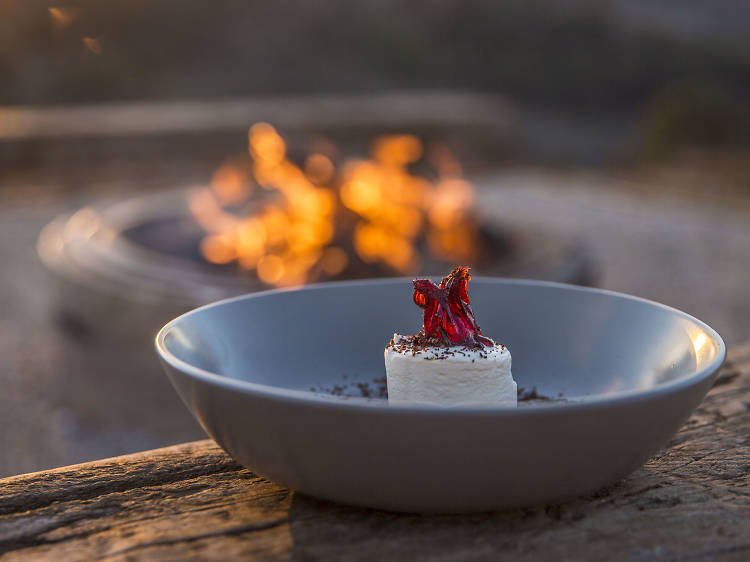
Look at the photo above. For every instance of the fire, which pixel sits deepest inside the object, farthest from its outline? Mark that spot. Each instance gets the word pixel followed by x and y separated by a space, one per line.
pixel 92 45
pixel 62 17
pixel 315 220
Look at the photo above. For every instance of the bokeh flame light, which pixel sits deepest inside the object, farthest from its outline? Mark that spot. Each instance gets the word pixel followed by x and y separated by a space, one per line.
pixel 62 17
pixel 318 219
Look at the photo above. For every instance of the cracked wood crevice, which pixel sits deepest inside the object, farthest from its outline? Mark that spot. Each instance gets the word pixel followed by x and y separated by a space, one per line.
pixel 192 501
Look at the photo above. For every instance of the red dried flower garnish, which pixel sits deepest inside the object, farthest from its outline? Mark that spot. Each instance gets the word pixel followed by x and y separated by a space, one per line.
pixel 447 312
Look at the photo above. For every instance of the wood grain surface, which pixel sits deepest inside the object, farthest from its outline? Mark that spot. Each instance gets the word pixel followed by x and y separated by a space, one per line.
pixel 191 501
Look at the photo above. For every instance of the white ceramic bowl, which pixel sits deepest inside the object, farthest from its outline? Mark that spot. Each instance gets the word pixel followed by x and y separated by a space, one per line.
pixel 631 372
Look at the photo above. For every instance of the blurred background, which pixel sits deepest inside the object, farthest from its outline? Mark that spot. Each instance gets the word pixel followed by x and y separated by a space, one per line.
pixel 156 155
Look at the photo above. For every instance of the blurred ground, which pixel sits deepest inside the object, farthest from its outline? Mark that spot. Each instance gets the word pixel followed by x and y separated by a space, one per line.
pixel 664 233
pixel 46 385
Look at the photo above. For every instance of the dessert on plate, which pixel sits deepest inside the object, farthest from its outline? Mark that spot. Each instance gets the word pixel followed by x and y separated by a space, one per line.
pixel 449 362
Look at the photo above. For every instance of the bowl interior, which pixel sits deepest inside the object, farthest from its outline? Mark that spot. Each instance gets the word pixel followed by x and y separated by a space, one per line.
pixel 565 340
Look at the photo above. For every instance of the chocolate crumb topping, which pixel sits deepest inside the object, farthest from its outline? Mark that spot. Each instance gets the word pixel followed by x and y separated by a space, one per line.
pixel 437 348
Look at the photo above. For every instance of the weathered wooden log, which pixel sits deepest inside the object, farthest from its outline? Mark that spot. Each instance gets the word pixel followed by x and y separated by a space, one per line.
pixel 692 501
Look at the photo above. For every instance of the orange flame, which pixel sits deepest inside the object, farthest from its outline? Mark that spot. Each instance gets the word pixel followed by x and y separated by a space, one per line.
pixel 290 237
pixel 62 17
pixel 92 45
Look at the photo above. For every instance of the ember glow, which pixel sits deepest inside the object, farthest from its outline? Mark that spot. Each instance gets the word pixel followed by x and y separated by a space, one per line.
pixel 92 44
pixel 62 17
pixel 293 224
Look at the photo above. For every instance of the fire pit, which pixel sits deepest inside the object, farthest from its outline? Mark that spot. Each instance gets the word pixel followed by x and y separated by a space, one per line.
pixel 146 251
pixel 355 219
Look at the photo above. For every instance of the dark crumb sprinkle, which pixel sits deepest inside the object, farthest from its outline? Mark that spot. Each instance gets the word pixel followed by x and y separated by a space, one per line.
pixel 419 342
pixel 529 395
pixel 377 388
pixel 364 388
pixel 381 386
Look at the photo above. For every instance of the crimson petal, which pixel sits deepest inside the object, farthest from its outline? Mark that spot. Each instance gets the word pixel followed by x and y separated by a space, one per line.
pixel 447 312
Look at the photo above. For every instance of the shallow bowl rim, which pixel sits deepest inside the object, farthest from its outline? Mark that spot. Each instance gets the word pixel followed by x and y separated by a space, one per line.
pixel 309 398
